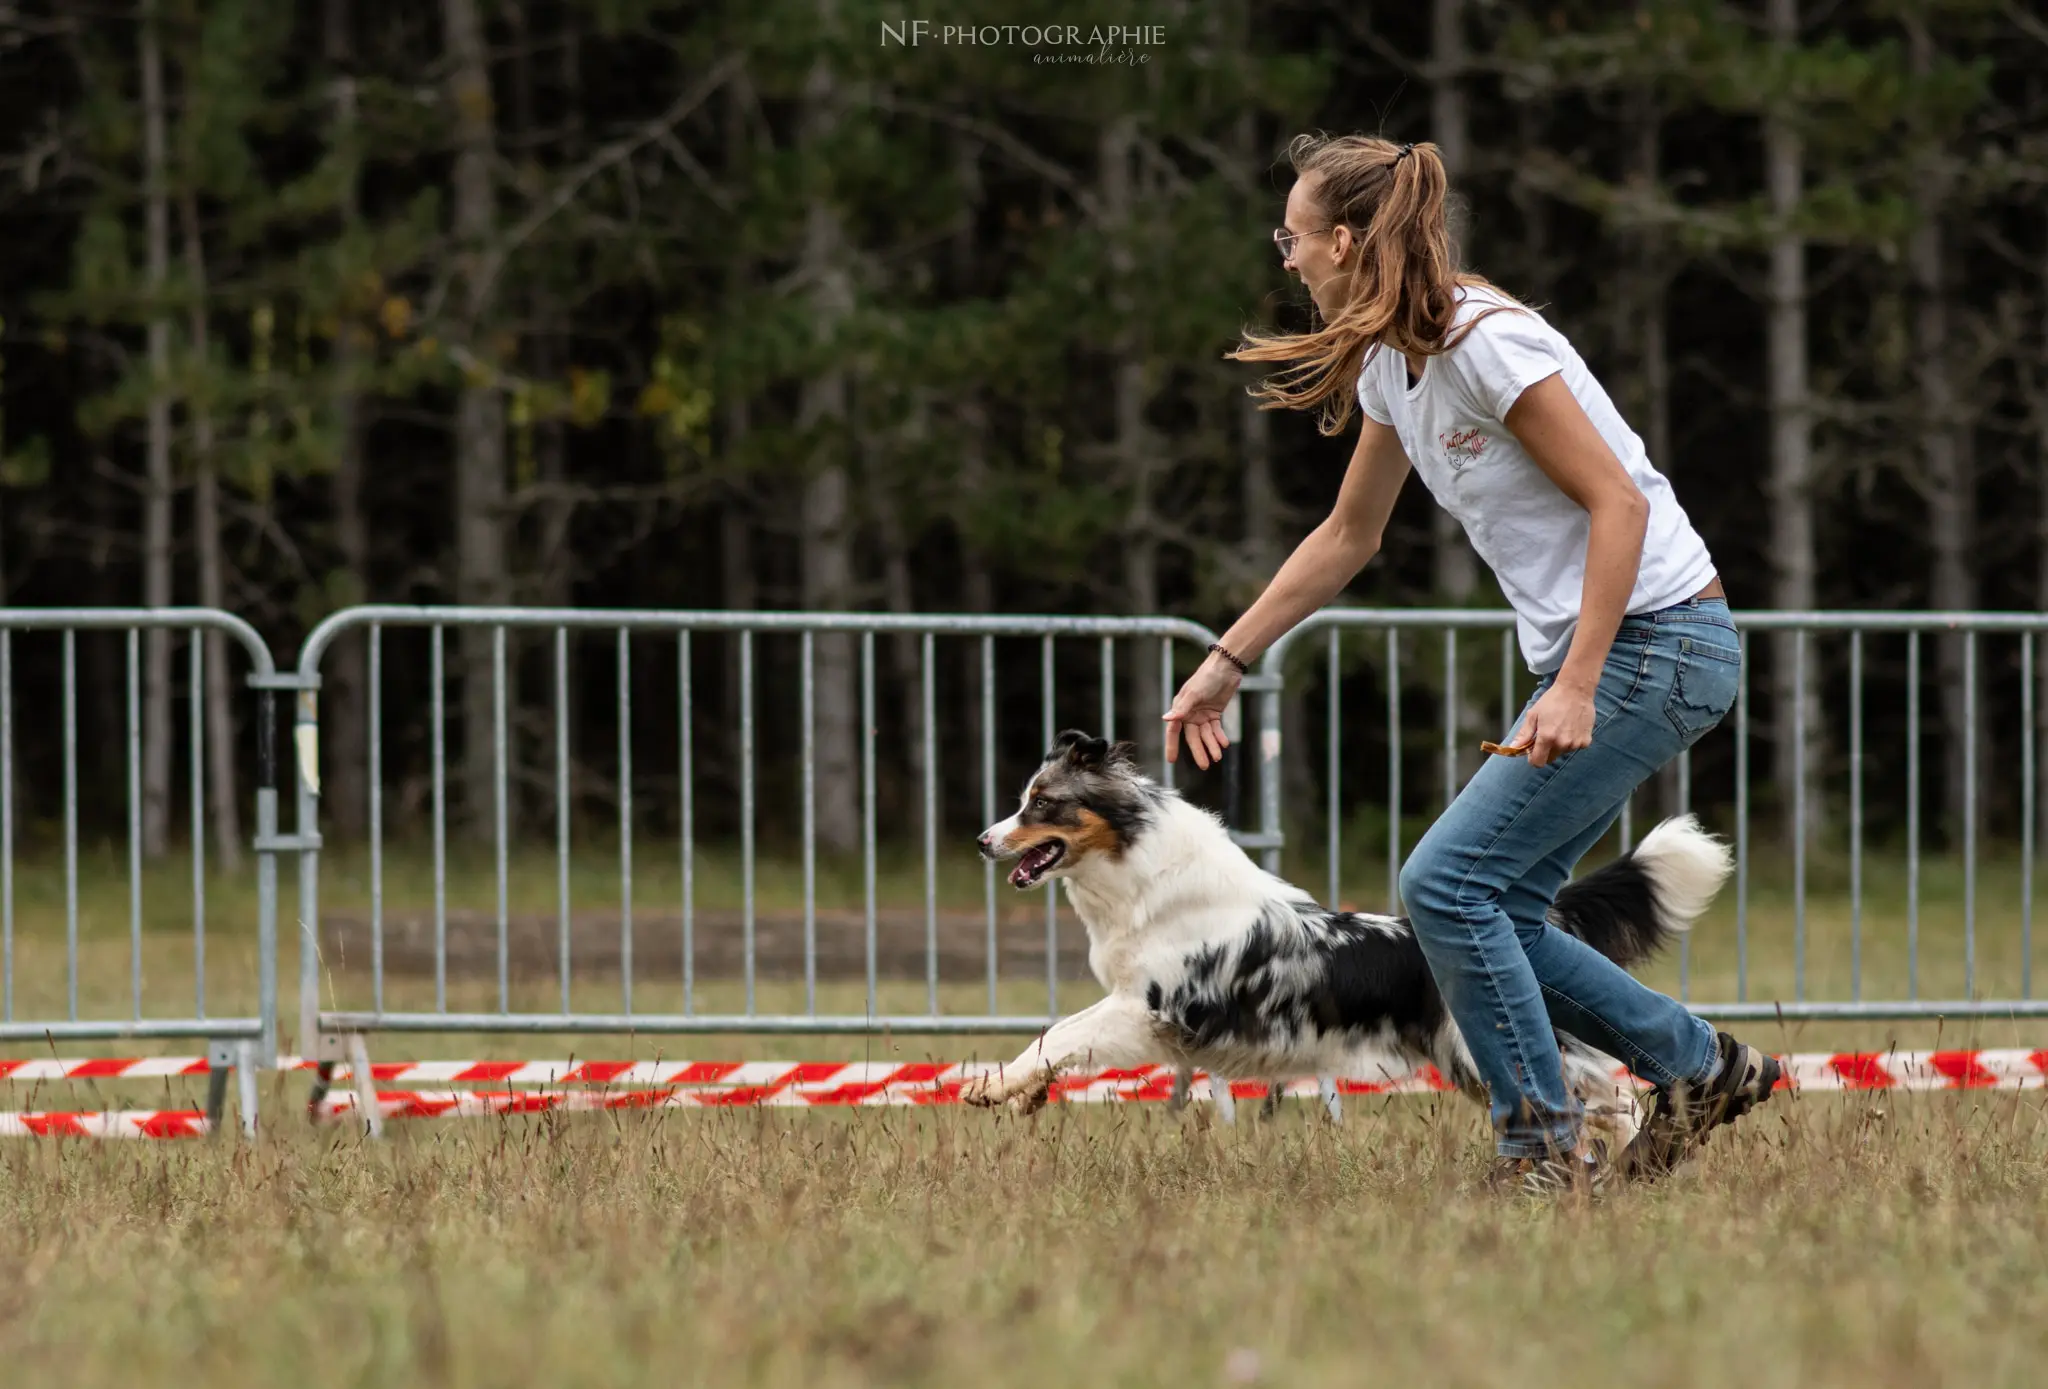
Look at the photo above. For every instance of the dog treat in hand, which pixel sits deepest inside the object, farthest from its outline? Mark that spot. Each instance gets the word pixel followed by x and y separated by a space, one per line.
pixel 1520 749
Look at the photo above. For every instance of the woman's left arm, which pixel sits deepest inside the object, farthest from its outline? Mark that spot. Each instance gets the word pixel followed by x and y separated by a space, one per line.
pixel 1556 433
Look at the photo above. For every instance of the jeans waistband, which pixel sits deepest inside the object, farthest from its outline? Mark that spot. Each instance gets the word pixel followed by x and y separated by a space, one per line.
pixel 1712 612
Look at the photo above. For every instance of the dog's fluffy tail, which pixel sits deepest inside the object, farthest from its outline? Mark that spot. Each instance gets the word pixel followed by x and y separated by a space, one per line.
pixel 1630 908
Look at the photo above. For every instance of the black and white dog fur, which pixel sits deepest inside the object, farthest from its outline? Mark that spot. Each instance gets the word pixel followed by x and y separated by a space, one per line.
pixel 1208 961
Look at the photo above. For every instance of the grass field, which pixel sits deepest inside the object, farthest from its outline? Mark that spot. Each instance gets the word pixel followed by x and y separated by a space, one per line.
pixel 1853 1240
pixel 1829 1241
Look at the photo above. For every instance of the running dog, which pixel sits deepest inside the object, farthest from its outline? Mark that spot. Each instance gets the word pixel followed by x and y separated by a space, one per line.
pixel 1209 961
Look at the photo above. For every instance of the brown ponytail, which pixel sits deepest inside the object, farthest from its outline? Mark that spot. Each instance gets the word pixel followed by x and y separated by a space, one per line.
pixel 1403 292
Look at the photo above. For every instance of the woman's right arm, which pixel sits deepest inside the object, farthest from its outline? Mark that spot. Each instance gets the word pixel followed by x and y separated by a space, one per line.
pixel 1315 573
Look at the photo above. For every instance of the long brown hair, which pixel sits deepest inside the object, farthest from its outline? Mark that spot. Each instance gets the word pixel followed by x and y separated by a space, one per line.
pixel 1403 289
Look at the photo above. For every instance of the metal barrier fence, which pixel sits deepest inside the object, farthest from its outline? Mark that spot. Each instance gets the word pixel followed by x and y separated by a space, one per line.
pixel 832 657
pixel 1899 642
pixel 241 1040
pixel 1920 936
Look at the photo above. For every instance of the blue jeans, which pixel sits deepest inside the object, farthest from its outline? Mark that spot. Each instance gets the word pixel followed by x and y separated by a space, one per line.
pixel 1480 882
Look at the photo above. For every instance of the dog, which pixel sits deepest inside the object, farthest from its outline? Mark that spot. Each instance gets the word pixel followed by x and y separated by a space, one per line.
pixel 1208 961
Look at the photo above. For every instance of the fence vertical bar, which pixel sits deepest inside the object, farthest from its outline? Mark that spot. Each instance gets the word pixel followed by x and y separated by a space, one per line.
pixel 1799 816
pixel 1052 905
pixel 266 877
pixel 807 682
pixel 563 944
pixel 305 716
pixel 1913 814
pixel 988 799
pixel 1108 689
pixel 1685 937
pixel 2027 792
pixel 747 808
pixel 1165 703
pixel 376 789
pixel 500 818
pixel 196 703
pixel 686 736
pixel 71 818
pixel 1856 815
pixel 625 697
pixel 929 682
pixel 1334 809
pixel 867 803
pixel 1742 822
pixel 1393 771
pixel 1450 715
pixel 438 713
pixel 1507 682
pixel 134 744
pixel 1969 815
pixel 6 826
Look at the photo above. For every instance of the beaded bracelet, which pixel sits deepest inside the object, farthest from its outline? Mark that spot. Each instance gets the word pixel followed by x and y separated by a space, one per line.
pixel 1221 650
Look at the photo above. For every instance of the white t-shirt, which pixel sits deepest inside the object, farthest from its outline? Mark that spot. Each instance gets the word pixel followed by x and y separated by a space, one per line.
pixel 1531 535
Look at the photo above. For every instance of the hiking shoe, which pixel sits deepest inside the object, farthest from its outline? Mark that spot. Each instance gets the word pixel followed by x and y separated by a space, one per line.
pixel 1567 1175
pixel 1686 1113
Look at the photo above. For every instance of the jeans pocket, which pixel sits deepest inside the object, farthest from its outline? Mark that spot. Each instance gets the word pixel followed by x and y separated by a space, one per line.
pixel 1703 685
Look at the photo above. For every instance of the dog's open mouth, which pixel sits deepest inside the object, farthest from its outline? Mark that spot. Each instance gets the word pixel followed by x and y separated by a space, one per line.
pixel 1037 861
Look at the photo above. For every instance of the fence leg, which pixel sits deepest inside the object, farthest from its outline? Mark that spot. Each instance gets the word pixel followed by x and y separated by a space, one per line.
pixel 245 1085
pixel 1332 1101
pixel 365 1083
pixel 221 1057
pixel 334 1049
pixel 1183 1081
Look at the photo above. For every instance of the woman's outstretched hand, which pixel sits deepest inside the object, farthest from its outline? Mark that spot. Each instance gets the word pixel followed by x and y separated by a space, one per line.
pixel 1198 712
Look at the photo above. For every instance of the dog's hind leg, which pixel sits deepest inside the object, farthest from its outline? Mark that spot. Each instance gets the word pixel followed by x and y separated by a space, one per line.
pixel 1117 1031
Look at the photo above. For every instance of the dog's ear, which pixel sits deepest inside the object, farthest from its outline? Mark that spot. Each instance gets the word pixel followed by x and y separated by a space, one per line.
pixel 1122 754
pixel 1066 745
pixel 1079 748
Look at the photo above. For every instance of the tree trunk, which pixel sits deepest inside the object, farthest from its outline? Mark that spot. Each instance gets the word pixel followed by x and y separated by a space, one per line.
pixel 1950 488
pixel 344 707
pixel 1790 485
pixel 554 562
pixel 482 574
pixel 156 496
pixel 1133 446
pixel 1456 567
pixel 1640 330
pixel 222 795
pixel 899 592
pixel 2041 570
pixel 906 653
pixel 826 513
pixel 977 586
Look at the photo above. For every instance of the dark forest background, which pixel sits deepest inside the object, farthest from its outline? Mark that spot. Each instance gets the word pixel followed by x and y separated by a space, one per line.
pixel 748 306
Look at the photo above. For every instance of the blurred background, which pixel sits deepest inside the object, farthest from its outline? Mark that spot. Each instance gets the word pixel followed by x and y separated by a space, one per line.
pixel 798 305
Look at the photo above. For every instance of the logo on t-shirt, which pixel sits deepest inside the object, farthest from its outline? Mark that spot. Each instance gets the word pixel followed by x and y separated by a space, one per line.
pixel 1461 446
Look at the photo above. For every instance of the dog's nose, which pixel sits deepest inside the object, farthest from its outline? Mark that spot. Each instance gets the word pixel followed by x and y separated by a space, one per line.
pixel 983 842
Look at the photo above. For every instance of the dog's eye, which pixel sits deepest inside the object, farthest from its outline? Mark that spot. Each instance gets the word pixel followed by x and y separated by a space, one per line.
pixel 1040 803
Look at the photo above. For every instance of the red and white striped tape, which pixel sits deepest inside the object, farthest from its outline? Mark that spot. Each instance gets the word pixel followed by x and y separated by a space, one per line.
pixel 113 1123
pixel 816 1084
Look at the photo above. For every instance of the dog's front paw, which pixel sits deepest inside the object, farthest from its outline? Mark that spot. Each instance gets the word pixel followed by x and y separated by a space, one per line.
pixel 983 1092
pixel 1032 1098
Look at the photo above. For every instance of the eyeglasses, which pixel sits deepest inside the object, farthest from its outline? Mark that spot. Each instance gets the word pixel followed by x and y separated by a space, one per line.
pixel 1284 240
